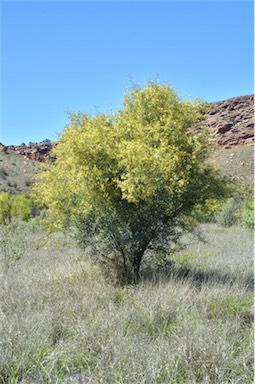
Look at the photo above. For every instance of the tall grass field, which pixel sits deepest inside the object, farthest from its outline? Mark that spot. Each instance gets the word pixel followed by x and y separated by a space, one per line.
pixel 64 320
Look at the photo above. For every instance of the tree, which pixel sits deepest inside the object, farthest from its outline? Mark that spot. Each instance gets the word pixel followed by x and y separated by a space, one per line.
pixel 132 179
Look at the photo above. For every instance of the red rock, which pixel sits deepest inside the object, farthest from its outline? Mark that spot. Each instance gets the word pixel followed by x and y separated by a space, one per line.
pixel 37 152
pixel 231 122
pixel 224 128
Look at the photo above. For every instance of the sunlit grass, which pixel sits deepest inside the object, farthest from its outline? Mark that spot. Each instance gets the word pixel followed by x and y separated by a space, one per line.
pixel 63 322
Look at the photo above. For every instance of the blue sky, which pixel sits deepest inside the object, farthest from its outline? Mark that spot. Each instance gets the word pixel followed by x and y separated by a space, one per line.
pixel 79 56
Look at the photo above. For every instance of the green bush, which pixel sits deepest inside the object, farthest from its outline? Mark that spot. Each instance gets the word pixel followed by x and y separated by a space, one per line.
pixel 5 208
pixel 20 207
pixel 247 214
pixel 238 209
pixel 227 214
pixel 14 206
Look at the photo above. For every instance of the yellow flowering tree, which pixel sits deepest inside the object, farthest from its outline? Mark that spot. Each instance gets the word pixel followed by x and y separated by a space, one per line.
pixel 130 179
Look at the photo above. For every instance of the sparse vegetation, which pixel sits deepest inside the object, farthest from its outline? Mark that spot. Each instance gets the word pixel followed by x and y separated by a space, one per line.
pixel 63 322
pixel 236 163
pixel 17 173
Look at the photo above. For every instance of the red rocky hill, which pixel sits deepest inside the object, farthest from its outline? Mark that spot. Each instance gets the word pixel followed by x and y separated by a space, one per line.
pixel 231 123
pixel 37 152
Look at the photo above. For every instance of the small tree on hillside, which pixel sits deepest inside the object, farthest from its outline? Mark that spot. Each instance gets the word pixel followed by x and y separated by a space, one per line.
pixel 132 179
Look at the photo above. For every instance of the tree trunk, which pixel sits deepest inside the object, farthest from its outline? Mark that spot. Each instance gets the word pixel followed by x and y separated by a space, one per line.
pixel 137 258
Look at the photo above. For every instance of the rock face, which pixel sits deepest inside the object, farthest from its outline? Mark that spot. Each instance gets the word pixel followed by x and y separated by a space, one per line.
pixel 231 121
pixel 37 152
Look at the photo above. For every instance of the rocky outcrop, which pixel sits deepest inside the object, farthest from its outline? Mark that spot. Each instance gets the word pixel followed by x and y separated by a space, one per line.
pixel 231 122
pixel 36 152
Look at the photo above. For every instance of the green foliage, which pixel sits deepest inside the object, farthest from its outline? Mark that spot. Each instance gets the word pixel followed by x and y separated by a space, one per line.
pixel 14 206
pixel 247 214
pixel 238 209
pixel 21 207
pixel 206 212
pixel 186 259
pixel 227 214
pixel 5 208
pixel 132 178
pixel 231 305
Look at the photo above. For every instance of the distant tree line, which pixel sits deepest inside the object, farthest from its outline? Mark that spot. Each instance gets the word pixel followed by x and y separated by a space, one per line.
pixel 46 141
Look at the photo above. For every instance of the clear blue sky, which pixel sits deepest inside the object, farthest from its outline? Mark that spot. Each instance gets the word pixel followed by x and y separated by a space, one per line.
pixel 68 56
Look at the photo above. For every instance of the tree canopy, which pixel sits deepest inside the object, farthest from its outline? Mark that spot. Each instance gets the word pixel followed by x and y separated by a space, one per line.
pixel 132 178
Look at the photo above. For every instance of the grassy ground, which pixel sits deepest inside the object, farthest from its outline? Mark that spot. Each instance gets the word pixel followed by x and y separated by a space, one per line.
pixel 62 322
pixel 236 163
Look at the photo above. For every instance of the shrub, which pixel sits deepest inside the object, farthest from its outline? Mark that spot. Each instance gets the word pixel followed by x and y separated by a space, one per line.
pixel 227 214
pixel 238 209
pixel 21 207
pixel 14 206
pixel 5 208
pixel 247 214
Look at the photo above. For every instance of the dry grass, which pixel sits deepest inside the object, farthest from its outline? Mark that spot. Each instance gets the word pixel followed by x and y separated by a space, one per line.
pixel 16 173
pixel 236 163
pixel 62 322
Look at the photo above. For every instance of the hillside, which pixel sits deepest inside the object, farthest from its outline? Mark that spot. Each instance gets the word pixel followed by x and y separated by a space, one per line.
pixel 231 127
pixel 231 121
pixel 16 173
pixel 19 164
